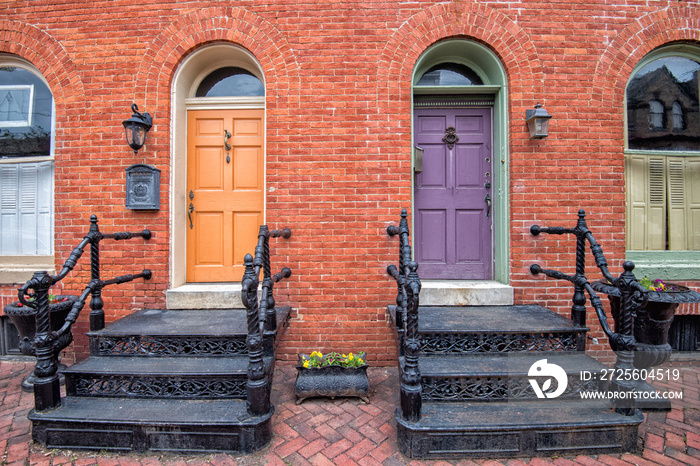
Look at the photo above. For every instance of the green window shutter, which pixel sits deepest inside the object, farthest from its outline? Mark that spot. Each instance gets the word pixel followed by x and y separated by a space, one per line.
pixel 691 188
pixel 676 207
pixel 646 206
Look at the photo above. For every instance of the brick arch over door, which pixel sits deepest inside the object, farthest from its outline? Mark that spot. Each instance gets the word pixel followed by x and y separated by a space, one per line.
pixel 456 20
pixel 675 24
pixel 522 86
pixel 166 57
pixel 212 25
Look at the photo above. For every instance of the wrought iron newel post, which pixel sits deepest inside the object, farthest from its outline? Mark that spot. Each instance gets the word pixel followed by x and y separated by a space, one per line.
pixel 258 396
pixel 622 341
pixel 261 317
pixel 407 302
pixel 46 387
pixel 411 391
pixel 49 344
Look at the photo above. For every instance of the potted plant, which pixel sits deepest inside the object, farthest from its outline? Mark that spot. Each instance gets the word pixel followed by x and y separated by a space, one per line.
pixel 332 375
pixel 653 319
pixel 24 319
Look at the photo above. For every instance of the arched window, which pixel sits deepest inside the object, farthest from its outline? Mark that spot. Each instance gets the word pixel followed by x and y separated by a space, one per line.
pixel 667 82
pixel 450 74
pixel 230 81
pixel 662 164
pixel 26 162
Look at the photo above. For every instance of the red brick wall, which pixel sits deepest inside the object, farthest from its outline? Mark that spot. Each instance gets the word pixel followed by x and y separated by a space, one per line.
pixel 339 133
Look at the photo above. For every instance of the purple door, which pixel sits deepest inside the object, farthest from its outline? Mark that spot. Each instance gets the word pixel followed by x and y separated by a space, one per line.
pixel 453 196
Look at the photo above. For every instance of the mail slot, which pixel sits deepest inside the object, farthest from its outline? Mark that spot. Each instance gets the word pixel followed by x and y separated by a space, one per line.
pixel 142 187
pixel 417 159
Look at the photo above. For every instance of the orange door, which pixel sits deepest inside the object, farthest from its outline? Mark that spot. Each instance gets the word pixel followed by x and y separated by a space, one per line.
pixel 225 187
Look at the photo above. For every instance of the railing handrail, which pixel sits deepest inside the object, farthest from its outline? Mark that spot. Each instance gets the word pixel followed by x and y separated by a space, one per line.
pixel 632 296
pixel 46 388
pixel 407 302
pixel 261 316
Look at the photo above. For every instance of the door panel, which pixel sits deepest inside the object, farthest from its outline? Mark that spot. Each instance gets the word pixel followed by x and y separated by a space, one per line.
pixel 453 219
pixel 226 195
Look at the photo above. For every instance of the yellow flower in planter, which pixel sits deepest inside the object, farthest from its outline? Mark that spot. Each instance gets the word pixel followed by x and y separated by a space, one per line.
pixel 317 359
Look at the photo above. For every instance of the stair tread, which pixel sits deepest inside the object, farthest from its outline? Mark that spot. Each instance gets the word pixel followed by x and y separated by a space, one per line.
pixel 148 411
pixel 501 319
pixel 229 365
pixel 205 322
pixel 497 416
pixel 452 365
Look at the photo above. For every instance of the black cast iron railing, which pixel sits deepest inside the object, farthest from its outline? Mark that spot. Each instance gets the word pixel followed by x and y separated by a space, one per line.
pixel 261 317
pixel 49 344
pixel 632 296
pixel 407 302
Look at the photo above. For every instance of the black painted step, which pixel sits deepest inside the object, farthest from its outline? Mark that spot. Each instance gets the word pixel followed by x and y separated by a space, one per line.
pixel 503 429
pixel 176 377
pixel 181 426
pixel 154 332
pixel 499 377
pixel 495 329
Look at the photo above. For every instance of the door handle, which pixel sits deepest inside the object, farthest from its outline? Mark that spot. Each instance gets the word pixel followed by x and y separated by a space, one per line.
pixel 191 209
pixel 488 205
pixel 227 136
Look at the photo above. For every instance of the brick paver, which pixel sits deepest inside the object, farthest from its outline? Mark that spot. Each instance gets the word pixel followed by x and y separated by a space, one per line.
pixel 346 431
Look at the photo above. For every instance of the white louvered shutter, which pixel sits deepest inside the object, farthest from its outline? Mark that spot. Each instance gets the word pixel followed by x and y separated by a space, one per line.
pixel 26 209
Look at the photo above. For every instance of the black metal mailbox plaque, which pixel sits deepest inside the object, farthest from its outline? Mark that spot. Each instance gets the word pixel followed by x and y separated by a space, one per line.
pixel 142 187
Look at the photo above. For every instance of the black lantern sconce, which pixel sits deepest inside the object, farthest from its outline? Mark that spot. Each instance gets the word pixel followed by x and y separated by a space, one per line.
pixel 537 122
pixel 136 128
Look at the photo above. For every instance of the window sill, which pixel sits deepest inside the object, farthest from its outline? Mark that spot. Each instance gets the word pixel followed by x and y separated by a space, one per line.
pixel 666 265
pixel 19 269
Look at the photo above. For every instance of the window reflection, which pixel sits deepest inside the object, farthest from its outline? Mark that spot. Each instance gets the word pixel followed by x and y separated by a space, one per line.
pixel 450 74
pixel 230 81
pixel 25 114
pixel 662 106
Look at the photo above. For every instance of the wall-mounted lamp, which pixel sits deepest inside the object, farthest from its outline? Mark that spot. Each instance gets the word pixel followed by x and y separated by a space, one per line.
pixel 537 122
pixel 136 128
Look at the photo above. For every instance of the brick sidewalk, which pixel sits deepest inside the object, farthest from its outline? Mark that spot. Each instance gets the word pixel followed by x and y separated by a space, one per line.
pixel 347 431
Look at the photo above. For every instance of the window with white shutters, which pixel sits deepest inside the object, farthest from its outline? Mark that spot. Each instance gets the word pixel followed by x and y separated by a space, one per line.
pixel 26 172
pixel 663 203
pixel 662 163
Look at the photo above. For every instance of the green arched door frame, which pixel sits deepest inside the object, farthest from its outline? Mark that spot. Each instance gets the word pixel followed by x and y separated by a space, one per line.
pixel 489 68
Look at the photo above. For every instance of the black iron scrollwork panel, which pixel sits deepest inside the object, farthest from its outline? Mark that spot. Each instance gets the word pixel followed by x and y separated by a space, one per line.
pixel 497 343
pixel 170 346
pixel 159 387
pixel 493 388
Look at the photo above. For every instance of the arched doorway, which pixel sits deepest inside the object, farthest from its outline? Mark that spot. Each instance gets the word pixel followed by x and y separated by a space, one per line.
pixel 460 189
pixel 218 179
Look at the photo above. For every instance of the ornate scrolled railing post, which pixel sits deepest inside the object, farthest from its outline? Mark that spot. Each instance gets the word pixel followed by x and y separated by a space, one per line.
pixel 631 297
pixel 406 319
pixel 286 272
pixel 97 313
pixel 48 344
pixel 411 390
pixel 399 274
pixel 258 397
pixel 47 393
